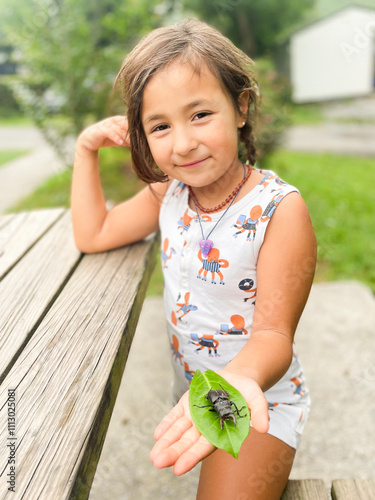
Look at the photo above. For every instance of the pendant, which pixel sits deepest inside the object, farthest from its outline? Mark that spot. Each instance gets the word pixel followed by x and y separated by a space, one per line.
pixel 205 246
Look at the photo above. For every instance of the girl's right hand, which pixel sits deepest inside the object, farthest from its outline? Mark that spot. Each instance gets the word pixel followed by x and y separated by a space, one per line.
pixel 181 445
pixel 107 133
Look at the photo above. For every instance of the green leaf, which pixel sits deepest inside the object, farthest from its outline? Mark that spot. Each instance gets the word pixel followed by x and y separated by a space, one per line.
pixel 231 437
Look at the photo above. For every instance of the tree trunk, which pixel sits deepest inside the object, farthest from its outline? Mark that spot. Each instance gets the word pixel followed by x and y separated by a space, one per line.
pixel 245 30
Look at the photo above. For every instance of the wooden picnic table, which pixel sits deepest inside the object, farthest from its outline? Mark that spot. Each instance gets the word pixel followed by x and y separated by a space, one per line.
pixel 66 325
pixel 340 489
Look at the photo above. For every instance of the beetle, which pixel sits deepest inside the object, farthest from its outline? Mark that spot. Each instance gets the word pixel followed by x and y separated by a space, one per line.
pixel 222 405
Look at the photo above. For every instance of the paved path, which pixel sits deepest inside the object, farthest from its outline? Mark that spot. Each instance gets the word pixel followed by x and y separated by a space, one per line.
pixel 362 108
pixel 23 137
pixel 22 176
pixel 338 138
pixel 336 345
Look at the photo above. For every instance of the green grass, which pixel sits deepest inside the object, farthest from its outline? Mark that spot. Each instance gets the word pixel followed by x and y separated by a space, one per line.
pixel 11 154
pixel 15 120
pixel 337 189
pixel 355 120
pixel 309 114
pixel 118 182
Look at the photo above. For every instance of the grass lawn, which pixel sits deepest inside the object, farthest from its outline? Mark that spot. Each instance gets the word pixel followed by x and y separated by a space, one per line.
pixel 10 154
pixel 306 114
pixel 15 120
pixel 337 189
pixel 339 193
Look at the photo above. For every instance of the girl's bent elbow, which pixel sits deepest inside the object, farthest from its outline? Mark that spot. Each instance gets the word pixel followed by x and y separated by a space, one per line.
pixel 84 247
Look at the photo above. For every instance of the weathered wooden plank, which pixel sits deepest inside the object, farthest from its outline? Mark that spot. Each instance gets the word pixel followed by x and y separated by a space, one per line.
pixel 356 489
pixel 28 290
pixel 68 375
pixel 19 232
pixel 5 219
pixel 305 489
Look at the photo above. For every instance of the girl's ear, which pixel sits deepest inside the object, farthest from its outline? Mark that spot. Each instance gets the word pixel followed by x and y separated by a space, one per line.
pixel 243 104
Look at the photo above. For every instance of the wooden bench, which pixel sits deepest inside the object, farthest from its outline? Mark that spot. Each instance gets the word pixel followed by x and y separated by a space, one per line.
pixel 66 325
pixel 341 489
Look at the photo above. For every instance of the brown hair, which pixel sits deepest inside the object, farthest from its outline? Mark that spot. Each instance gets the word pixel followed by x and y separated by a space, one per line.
pixel 192 42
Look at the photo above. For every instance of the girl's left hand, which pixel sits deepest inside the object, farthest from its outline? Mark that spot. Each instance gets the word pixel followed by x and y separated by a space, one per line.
pixel 179 443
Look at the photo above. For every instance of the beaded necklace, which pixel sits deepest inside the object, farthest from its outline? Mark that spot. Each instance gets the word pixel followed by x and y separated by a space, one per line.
pixel 226 201
pixel 205 244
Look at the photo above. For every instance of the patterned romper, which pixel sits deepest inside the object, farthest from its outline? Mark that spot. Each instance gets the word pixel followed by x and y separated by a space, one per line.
pixel 210 302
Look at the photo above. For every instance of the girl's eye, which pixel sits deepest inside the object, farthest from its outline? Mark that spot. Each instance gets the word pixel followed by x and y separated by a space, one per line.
pixel 159 128
pixel 201 115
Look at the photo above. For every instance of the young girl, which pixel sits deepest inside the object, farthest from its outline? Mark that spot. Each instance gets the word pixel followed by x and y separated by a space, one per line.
pixel 238 248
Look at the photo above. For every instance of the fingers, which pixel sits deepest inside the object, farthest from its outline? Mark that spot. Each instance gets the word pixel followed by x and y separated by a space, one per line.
pixel 193 455
pixel 179 443
pixel 114 129
pixel 259 413
pixel 172 435
pixel 254 396
pixel 184 454
pixel 110 132
pixel 123 129
pixel 168 450
pixel 176 413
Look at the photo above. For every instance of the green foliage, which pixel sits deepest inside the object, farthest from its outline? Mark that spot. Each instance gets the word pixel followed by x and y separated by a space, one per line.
pixel 156 284
pixel 8 105
pixel 309 113
pixel 274 117
pixel 231 437
pixel 337 190
pixel 70 52
pixel 324 7
pixel 252 26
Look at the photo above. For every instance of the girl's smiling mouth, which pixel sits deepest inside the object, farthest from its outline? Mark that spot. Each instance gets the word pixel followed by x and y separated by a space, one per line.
pixel 193 164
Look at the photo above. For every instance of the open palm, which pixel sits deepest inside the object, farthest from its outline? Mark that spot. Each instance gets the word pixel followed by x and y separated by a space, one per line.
pixel 178 441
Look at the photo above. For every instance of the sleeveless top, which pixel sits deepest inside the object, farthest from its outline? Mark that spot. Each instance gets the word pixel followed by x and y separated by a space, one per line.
pixel 209 302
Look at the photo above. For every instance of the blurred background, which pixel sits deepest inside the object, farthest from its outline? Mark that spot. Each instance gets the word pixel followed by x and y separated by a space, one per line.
pixel 315 62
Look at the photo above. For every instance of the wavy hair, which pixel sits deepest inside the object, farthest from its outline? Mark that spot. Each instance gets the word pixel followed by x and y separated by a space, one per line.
pixel 196 43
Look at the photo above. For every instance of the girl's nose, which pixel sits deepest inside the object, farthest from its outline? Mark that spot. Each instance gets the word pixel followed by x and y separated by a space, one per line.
pixel 183 142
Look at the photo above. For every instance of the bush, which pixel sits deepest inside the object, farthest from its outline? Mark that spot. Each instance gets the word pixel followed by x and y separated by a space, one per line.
pixel 274 116
pixel 8 104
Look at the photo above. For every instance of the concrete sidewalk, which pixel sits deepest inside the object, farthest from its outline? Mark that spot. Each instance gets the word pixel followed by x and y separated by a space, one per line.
pixel 336 344
pixel 349 129
pixel 338 138
pixel 21 177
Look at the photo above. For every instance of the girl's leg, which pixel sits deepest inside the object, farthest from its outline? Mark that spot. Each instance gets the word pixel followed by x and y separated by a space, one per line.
pixel 260 472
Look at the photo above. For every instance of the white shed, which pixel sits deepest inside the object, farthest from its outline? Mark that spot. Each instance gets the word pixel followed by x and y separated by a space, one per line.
pixel 334 57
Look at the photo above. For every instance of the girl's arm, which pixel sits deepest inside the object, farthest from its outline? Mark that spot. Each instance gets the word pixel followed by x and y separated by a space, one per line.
pixel 285 272
pixel 95 228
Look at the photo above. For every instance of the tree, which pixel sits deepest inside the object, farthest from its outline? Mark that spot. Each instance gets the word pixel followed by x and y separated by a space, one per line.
pixel 70 52
pixel 252 25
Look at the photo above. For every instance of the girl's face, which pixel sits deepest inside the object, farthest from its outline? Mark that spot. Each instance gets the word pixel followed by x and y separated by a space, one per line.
pixel 191 126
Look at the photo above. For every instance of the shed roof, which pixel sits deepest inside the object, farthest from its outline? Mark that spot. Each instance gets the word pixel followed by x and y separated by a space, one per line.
pixel 316 18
